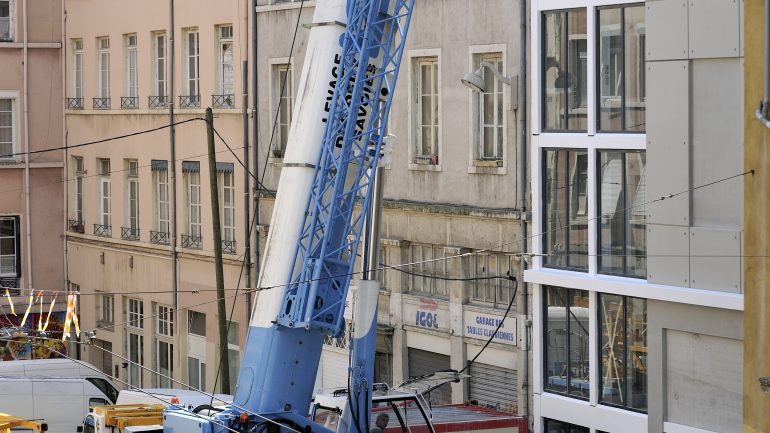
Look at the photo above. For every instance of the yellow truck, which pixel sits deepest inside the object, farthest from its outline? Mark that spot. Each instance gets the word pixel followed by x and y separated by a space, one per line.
pixel 8 422
pixel 125 418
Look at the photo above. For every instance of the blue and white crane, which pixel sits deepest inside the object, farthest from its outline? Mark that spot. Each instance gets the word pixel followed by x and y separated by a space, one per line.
pixel 334 147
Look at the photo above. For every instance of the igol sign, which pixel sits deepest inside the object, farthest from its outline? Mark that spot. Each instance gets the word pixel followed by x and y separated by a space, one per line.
pixel 480 325
pixel 426 319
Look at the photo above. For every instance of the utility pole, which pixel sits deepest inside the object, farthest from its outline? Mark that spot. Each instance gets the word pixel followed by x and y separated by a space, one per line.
pixel 172 168
pixel 255 141
pixel 221 311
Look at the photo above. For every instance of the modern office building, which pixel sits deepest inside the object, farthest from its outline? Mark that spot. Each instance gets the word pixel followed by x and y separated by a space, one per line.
pixel 638 223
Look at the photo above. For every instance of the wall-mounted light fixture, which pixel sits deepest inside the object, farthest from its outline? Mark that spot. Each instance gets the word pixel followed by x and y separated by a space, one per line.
pixel 475 81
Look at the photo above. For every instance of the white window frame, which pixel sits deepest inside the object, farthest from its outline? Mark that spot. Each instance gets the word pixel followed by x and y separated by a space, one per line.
pixel 192 77
pixel 132 73
pixel 227 205
pixel 193 190
pixel 162 382
pixel 164 321
pixel 160 183
pixel 546 405
pixel 105 195
pixel 414 58
pixel 132 188
pixel 77 68
pixel 159 64
pixel 11 23
pixel 103 68
pixel 428 268
pixel 14 97
pixel 106 308
pixel 279 101
pixel 134 313
pixel 138 370
pixel 475 163
pixel 224 88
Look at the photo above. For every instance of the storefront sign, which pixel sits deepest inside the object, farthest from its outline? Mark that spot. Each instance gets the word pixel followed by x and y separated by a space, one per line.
pixel 482 326
pixel 426 314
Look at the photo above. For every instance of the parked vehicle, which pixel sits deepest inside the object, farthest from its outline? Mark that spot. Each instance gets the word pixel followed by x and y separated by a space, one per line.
pixel 60 368
pixel 60 402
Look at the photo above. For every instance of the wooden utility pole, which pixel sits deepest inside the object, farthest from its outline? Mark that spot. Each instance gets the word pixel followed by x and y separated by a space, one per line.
pixel 224 362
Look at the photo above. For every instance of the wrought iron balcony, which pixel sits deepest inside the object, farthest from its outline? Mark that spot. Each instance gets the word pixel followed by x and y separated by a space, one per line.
pixel 190 101
pixel 228 247
pixel 194 242
pixel 223 101
pixel 76 226
pixel 160 238
pixel 129 234
pixel 74 103
pixel 11 284
pixel 129 102
pixel 103 230
pixel 101 103
pixel 157 101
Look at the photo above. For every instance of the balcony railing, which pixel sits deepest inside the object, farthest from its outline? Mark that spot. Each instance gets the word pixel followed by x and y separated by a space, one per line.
pixel 129 102
pixel 190 101
pixel 194 242
pixel 101 103
pixel 160 238
pixel 228 247
pixel 129 234
pixel 157 101
pixel 103 230
pixel 76 226
pixel 11 284
pixel 74 103
pixel 223 101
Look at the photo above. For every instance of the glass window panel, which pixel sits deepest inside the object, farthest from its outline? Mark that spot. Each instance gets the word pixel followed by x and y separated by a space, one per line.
pixel 555 346
pixel 565 56
pixel 622 219
pixel 610 70
pixel 636 315
pixel 613 360
pixel 634 25
pixel 566 209
pixel 578 343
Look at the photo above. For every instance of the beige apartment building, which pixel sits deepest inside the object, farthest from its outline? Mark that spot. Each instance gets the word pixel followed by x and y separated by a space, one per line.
pixel 450 188
pixel 120 206
pixel 31 120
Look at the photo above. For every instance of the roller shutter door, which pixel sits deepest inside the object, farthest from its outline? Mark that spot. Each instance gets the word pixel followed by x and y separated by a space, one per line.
pixel 333 370
pixel 493 387
pixel 423 362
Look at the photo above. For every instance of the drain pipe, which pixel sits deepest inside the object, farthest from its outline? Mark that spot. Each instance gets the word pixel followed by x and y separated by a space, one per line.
pixel 26 146
pixel 761 112
pixel 523 301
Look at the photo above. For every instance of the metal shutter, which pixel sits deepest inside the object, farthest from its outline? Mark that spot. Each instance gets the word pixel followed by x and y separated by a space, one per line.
pixel 493 387
pixel 333 370
pixel 424 362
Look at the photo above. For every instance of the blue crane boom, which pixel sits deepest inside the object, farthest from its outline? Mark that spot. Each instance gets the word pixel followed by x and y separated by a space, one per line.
pixel 347 85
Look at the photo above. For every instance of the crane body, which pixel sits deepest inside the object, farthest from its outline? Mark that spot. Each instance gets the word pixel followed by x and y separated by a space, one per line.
pixel 333 151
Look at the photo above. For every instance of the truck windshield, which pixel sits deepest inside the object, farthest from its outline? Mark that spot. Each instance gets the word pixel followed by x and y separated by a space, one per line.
pixel 399 416
pixel 327 417
pixel 106 387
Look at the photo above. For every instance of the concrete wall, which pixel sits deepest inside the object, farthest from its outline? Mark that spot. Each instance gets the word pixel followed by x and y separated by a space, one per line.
pixel 757 245
pixel 694 120
pixel 694 367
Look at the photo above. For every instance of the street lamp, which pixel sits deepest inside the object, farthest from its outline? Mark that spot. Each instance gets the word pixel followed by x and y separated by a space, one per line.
pixel 475 82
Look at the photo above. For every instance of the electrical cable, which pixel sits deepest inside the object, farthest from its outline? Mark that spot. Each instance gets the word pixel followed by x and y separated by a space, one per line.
pixel 103 140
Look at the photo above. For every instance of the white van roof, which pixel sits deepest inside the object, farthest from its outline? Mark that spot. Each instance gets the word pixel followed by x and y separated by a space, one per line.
pixel 48 367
